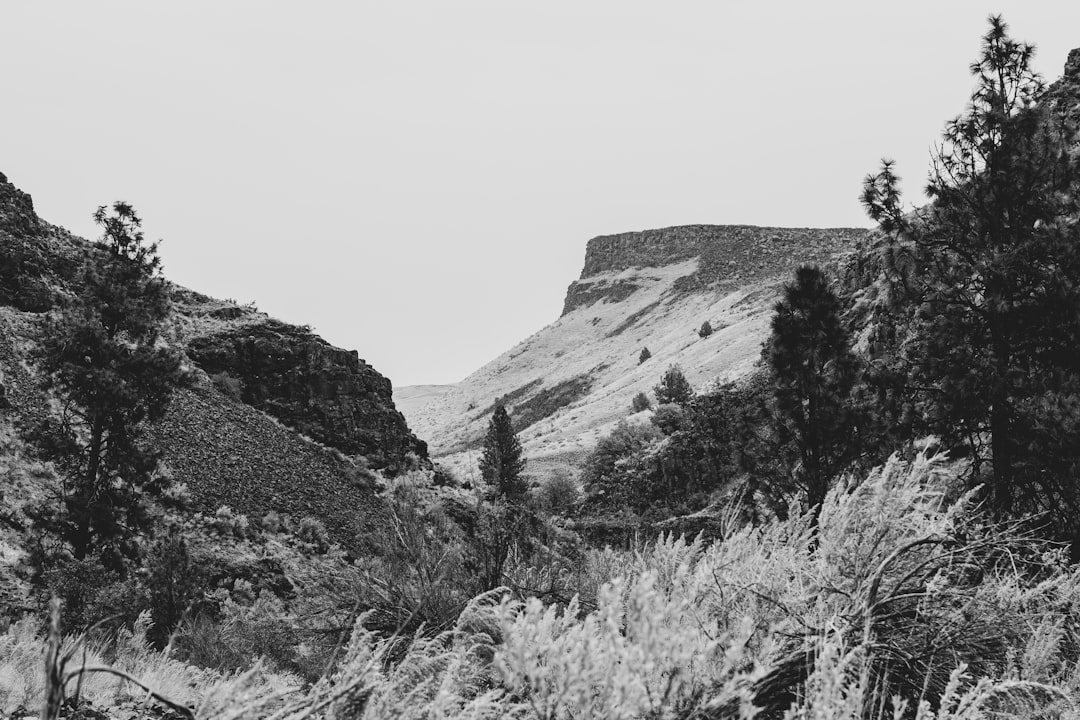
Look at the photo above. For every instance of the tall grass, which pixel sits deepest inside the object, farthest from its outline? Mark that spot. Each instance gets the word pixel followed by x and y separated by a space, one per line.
pixel 901 602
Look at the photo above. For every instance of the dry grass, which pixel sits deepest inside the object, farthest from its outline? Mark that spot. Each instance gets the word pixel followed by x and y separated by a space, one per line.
pixel 902 604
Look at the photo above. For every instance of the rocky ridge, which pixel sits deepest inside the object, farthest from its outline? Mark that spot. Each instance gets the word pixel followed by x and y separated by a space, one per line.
pixel 728 256
pixel 278 418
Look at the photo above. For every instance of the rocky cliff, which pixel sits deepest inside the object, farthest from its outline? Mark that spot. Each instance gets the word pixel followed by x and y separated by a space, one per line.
pixel 727 256
pixel 324 392
pixel 278 415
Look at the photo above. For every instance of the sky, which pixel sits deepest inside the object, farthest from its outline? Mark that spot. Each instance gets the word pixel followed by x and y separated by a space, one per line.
pixel 418 180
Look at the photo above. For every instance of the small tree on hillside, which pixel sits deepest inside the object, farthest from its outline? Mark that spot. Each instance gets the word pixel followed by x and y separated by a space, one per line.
pixel 705 330
pixel 640 402
pixel 102 355
pixel 813 372
pixel 502 462
pixel 645 355
pixel 673 387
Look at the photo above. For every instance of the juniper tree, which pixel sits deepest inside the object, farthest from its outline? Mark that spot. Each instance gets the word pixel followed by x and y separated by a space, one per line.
pixel 640 403
pixel 992 351
pixel 103 357
pixel 503 462
pixel 673 387
pixel 813 372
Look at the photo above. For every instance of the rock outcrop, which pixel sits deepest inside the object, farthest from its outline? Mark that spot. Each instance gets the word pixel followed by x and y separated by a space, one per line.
pixel 324 392
pixel 728 256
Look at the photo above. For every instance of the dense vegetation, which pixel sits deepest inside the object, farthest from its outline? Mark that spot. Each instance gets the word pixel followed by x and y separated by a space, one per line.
pixel 876 523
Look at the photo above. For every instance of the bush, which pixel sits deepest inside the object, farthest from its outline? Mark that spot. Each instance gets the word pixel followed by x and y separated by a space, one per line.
pixel 673 387
pixel 242 636
pixel 173 584
pixel 272 523
pixel 645 355
pixel 558 495
pixel 90 593
pixel 670 418
pixel 640 403
pixel 314 533
pixel 230 387
pixel 705 330
pixel 227 522
pixel 610 473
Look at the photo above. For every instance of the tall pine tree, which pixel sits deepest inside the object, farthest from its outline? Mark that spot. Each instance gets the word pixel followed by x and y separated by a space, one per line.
pixel 992 352
pixel 103 356
pixel 503 462
pixel 813 372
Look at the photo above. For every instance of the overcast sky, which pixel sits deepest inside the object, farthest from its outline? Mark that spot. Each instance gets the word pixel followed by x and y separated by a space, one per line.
pixel 417 180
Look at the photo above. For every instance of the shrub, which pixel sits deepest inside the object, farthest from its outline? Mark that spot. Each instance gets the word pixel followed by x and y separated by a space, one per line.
pixel 227 522
pixel 609 474
pixel 173 583
pixel 272 523
pixel 314 534
pixel 640 403
pixel 673 387
pixel 705 330
pixel 645 355
pixel 670 418
pixel 558 495
pixel 230 387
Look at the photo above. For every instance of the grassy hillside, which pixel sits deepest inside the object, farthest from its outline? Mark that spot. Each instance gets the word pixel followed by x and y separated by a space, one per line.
pixel 570 383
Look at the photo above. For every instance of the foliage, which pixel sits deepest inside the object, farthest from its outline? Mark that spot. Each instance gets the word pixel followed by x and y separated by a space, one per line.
pixel 313 532
pixel 813 371
pixel 705 330
pixel 673 387
pixel 103 356
pixel 502 463
pixel 609 474
pixel 909 599
pixel 990 354
pixel 644 355
pixel 558 494
pixel 173 581
pixel 640 403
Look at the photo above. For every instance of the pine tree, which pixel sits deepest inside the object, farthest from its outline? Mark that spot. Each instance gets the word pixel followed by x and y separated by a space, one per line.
pixel 645 355
pixel 813 372
pixel 992 354
pixel 102 355
pixel 673 387
pixel 705 330
pixel 502 462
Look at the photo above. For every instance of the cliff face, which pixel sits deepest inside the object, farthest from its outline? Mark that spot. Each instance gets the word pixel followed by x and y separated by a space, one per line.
pixel 324 392
pixel 37 261
pixel 1063 96
pixel 253 363
pixel 727 256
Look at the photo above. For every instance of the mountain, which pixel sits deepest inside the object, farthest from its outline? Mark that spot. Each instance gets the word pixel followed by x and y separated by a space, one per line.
pixel 276 418
pixel 570 383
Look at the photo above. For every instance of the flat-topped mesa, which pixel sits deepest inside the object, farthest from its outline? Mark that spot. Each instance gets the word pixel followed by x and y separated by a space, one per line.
pixel 728 255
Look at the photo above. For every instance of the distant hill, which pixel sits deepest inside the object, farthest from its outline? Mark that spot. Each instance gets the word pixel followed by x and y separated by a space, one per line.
pixel 571 382
pixel 278 419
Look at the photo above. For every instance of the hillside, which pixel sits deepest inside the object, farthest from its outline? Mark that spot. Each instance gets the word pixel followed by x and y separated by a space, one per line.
pixel 572 381
pixel 275 419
